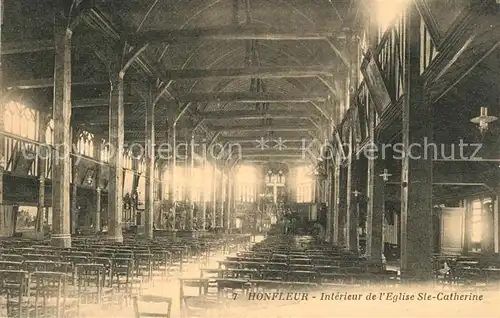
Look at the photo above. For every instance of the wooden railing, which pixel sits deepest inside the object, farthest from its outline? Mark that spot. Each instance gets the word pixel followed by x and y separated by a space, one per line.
pixel 21 154
pixel 428 50
pixel 389 55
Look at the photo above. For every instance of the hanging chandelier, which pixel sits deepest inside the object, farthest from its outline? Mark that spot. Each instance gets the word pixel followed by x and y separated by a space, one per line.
pixel 483 120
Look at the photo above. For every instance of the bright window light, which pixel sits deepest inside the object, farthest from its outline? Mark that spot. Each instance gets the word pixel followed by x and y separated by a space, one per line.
pixel 388 10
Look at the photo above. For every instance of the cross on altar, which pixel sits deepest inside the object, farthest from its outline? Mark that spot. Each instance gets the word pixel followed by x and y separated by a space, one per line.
pixel 386 175
pixel 275 184
pixel 356 193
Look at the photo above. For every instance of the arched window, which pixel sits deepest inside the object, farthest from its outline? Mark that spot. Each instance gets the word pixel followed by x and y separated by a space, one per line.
pixel 21 120
pixel 85 143
pixel 246 183
pixel 127 160
pixel 105 151
pixel 304 184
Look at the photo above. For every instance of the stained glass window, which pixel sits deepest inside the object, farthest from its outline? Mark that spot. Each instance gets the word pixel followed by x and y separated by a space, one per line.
pixel 105 151
pixel 85 143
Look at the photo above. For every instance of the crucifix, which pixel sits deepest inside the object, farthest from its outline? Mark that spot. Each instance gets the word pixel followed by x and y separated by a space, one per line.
pixel 386 175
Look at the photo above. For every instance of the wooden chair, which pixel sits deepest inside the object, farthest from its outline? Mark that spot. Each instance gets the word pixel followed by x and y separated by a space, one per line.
pixel 91 284
pixel 152 300
pixel 48 295
pixel 196 305
pixel 13 288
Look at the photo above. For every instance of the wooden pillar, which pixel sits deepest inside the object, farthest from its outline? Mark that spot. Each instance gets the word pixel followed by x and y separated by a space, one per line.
pixel 416 176
pixel 74 188
pixel 348 196
pixel 342 238
pixel 61 161
pixel 203 194
pixel 336 200
pixel 172 164
pixel 97 216
pixel 329 197
pixel 376 209
pixel 191 185
pixel 228 201
pixel 116 140
pixel 467 227
pixel 354 207
pixel 3 160
pixel 376 196
pixel 214 195
pixel 97 200
pixel 221 198
pixel 42 168
pixel 496 229
pixel 150 166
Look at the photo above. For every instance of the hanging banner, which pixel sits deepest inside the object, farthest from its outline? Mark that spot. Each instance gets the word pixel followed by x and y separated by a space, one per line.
pixel 375 83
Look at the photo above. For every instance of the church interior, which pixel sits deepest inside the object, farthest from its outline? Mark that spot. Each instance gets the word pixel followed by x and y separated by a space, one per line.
pixel 176 155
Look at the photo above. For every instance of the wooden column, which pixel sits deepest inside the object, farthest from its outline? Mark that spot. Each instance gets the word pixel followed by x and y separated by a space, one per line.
pixel 228 201
pixel 97 194
pixel 329 191
pixel 75 180
pixel 348 196
pixel 376 209
pixel 61 161
pixel 354 208
pixel 214 194
pixel 203 194
pixel 172 164
pixel 3 160
pixel 221 198
pixel 467 227
pixel 191 188
pixel 342 237
pixel 150 166
pixel 416 177
pixel 97 217
pixel 496 230
pixel 116 140
pixel 336 201
pixel 42 168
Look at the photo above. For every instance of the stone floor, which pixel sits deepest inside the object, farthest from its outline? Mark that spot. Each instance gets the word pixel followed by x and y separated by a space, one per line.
pixel 315 306
pixel 160 287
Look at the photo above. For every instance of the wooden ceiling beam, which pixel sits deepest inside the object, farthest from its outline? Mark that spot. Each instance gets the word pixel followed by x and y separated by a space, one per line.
pixel 99 102
pixel 262 128
pixel 90 39
pixel 242 140
pixel 251 72
pixel 251 97
pixel 49 82
pixel 215 115
pixel 229 33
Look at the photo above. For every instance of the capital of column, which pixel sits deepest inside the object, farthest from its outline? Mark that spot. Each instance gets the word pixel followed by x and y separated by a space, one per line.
pixel 98 190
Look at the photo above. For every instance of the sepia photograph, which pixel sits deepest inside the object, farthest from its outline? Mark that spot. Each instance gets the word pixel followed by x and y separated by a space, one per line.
pixel 249 158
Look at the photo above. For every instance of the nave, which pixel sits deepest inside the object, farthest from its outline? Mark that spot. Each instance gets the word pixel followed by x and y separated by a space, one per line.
pixel 279 276
pixel 144 144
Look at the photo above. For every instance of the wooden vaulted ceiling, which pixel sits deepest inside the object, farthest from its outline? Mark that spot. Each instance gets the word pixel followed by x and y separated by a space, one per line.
pixel 248 68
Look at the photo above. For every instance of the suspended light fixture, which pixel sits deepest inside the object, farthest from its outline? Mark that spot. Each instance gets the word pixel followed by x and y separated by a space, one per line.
pixel 386 175
pixel 483 120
